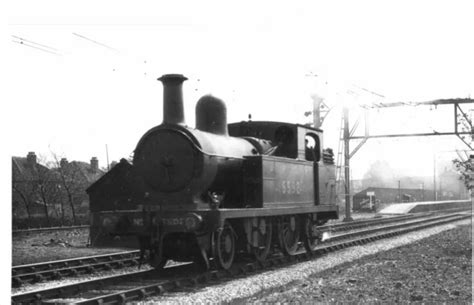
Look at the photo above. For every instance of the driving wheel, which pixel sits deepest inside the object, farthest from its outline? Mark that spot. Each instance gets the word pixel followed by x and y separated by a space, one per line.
pixel 225 246
pixel 289 234
pixel 261 238
pixel 311 236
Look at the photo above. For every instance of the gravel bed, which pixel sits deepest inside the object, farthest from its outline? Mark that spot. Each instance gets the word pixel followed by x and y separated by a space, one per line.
pixel 434 270
pixel 432 265
pixel 48 246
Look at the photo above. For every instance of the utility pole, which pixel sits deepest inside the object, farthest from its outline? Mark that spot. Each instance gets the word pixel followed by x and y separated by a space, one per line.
pixel 347 135
pixel 107 153
pixel 434 178
pixel 399 192
pixel 317 111
pixel 347 159
pixel 422 191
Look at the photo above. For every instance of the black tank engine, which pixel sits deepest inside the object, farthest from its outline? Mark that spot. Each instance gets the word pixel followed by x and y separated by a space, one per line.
pixel 216 191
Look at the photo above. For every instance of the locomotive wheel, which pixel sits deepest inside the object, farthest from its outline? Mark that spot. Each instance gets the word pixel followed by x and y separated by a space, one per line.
pixel 289 234
pixel 155 256
pixel 262 234
pixel 310 237
pixel 225 246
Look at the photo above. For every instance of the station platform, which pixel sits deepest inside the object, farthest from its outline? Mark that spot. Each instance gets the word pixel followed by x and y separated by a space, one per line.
pixel 425 206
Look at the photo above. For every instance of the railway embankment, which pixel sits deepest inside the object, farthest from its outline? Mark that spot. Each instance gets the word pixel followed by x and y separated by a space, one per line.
pixel 435 269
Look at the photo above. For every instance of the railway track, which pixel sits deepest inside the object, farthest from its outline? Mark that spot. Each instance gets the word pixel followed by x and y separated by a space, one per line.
pixel 33 273
pixel 363 223
pixel 139 285
pixel 54 270
pixel 50 229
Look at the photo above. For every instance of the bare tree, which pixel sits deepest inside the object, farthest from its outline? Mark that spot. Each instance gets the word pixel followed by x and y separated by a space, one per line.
pixel 35 183
pixel 466 171
pixel 24 188
pixel 46 182
pixel 69 176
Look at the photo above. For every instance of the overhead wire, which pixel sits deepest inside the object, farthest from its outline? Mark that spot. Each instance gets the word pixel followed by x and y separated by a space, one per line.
pixel 35 47
pixel 40 44
pixel 95 41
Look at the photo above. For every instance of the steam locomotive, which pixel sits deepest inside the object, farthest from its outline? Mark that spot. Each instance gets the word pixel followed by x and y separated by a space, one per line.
pixel 215 192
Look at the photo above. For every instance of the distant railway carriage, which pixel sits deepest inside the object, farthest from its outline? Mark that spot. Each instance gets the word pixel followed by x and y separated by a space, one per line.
pixel 216 191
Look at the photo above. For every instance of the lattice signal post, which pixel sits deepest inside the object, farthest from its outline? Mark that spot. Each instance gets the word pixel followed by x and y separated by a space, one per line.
pixel 463 126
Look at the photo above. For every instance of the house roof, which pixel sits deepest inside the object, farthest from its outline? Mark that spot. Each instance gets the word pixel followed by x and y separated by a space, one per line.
pixel 84 171
pixel 117 170
pixel 23 169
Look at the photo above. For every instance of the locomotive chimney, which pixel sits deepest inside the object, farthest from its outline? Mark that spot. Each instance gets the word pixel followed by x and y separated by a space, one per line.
pixel 211 115
pixel 173 109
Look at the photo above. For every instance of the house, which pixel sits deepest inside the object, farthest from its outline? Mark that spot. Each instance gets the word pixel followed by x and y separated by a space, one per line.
pixel 44 193
pixel 78 176
pixel 35 189
pixel 450 185
pixel 114 190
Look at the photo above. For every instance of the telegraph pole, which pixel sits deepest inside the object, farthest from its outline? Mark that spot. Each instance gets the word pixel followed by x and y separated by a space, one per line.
pixel 399 192
pixel 348 135
pixel 107 154
pixel 422 191
pixel 317 111
pixel 434 178
pixel 347 158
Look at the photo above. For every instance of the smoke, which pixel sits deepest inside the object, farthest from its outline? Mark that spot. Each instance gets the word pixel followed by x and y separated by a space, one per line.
pixel 380 174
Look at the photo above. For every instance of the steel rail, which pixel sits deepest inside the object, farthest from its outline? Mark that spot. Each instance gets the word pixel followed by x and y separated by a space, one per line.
pixel 112 296
pixel 32 273
pixel 49 229
pixel 368 231
pixel 379 221
pixel 53 270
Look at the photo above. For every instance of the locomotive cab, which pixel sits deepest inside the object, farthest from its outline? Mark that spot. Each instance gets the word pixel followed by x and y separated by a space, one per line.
pixel 302 143
pixel 290 140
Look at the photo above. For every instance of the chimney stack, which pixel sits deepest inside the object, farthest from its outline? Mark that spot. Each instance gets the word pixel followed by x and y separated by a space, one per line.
pixel 31 158
pixel 63 162
pixel 94 164
pixel 173 109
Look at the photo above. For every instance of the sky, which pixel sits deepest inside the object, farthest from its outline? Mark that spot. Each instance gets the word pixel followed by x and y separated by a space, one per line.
pixel 93 83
